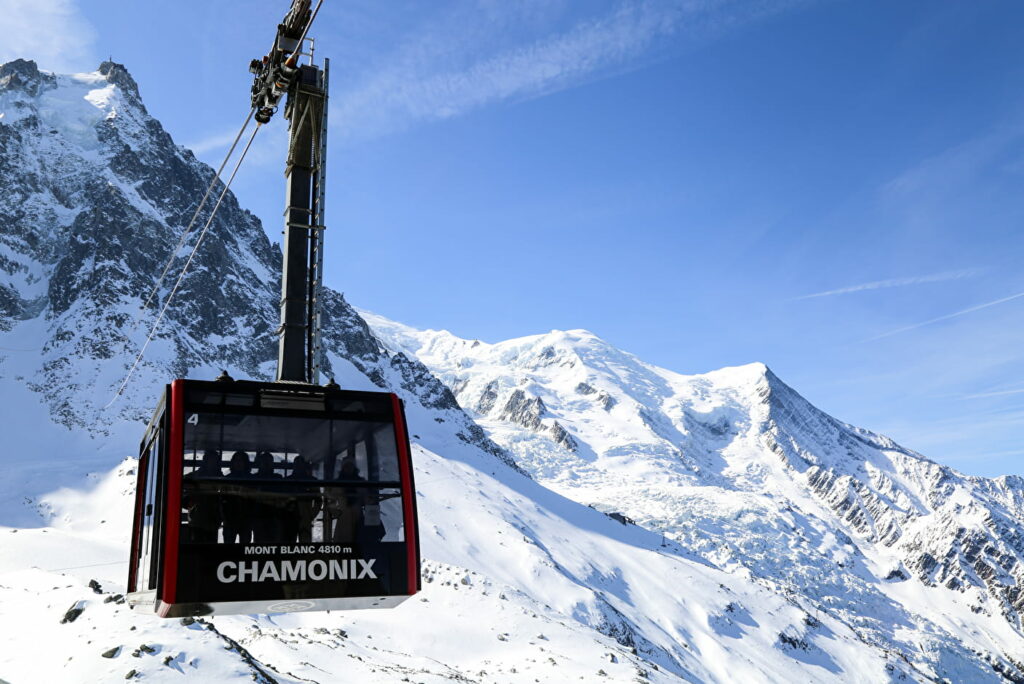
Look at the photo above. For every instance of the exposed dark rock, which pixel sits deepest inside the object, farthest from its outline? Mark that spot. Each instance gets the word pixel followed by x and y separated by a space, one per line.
pixel 897 575
pixel 793 641
pixel 619 517
pixel 73 612
pixel 584 388
pixel 523 410
pixel 118 75
pixel 562 437
pixel 488 398
pixel 23 74
pixel 258 670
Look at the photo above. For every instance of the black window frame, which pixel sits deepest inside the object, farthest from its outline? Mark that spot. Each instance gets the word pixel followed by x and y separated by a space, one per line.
pixel 314 405
pixel 152 490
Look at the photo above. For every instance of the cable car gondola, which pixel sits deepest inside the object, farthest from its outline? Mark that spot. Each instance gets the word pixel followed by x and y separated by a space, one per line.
pixel 259 497
pixel 263 497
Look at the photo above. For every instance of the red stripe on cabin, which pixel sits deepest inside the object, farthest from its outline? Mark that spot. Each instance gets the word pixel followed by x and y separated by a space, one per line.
pixel 172 512
pixel 408 495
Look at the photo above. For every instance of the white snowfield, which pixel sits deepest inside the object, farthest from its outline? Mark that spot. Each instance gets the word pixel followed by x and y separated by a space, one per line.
pixel 517 581
pixel 771 543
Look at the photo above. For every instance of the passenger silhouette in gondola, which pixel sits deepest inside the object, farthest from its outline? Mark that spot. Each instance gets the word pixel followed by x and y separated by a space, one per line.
pixel 202 501
pixel 348 508
pixel 304 506
pixel 235 505
pixel 268 508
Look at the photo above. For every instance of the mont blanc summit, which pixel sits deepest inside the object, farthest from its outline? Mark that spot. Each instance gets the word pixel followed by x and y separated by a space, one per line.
pixel 754 538
pixel 737 467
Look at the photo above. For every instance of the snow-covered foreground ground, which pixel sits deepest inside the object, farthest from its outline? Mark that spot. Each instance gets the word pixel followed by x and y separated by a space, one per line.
pixel 520 584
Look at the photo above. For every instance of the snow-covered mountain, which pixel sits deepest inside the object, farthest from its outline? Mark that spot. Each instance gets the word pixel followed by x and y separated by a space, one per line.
pixel 739 468
pixel 766 572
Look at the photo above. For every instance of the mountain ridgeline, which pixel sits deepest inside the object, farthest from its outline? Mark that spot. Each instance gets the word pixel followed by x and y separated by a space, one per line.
pixel 736 465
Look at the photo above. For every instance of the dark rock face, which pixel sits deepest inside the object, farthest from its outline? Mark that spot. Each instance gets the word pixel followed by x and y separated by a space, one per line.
pixel 584 388
pixel 23 74
pixel 488 398
pixel 526 411
pixel 563 438
pixel 72 613
pixel 522 410
pixel 119 76
pixel 93 201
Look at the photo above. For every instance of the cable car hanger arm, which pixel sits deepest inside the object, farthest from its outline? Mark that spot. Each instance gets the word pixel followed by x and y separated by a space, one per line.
pixel 279 74
pixel 275 72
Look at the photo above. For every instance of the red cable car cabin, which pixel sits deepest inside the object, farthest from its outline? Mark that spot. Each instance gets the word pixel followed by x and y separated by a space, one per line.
pixel 259 497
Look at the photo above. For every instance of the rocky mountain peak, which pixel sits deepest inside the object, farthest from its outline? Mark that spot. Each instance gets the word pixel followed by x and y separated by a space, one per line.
pixel 118 75
pixel 87 225
pixel 740 467
pixel 24 75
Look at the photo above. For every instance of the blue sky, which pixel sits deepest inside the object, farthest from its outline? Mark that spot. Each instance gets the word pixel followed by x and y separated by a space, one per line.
pixel 832 188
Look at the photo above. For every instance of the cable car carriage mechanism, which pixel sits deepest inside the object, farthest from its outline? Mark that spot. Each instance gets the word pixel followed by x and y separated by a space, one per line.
pixel 265 497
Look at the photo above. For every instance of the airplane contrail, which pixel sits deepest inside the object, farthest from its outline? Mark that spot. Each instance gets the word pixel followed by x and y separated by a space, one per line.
pixel 945 318
pixel 897 282
pixel 1000 393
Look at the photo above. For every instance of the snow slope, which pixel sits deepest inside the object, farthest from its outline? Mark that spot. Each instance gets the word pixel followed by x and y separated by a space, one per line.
pixel 521 585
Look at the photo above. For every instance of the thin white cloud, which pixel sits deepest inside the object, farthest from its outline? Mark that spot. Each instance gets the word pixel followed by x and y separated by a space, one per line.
pixel 53 33
pixel 216 141
pixel 267 149
pixel 458 67
pixel 953 168
pixel 1001 393
pixel 946 317
pixel 897 282
pixel 482 54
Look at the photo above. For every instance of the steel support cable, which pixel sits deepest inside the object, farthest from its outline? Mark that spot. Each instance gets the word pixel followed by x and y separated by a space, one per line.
pixel 202 203
pixel 78 567
pixel 184 269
